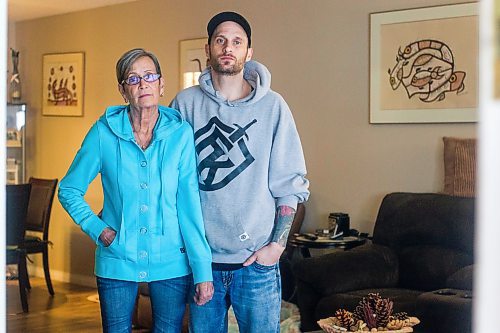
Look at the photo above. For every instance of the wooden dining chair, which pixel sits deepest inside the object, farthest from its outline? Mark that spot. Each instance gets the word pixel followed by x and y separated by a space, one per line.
pixel 17 198
pixel 37 221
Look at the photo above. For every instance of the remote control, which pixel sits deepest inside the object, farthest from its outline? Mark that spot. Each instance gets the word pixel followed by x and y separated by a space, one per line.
pixel 337 235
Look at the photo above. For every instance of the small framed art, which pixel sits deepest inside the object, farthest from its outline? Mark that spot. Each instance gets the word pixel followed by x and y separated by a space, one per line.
pixel 193 61
pixel 63 80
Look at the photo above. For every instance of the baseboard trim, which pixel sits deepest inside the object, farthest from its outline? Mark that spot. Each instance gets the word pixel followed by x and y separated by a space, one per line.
pixel 82 280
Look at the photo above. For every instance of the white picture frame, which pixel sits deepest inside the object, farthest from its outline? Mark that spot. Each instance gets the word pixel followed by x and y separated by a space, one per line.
pixel 192 61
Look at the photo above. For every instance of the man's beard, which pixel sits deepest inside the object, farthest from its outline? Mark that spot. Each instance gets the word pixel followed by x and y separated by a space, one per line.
pixel 225 69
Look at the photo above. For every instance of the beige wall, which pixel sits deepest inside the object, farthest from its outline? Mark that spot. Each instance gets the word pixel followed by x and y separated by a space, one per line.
pixel 318 53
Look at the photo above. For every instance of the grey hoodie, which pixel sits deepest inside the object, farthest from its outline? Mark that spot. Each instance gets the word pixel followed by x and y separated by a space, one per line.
pixel 250 161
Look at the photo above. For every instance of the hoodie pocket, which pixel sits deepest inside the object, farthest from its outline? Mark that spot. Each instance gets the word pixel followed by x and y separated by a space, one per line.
pixel 170 245
pixel 114 250
pixel 226 234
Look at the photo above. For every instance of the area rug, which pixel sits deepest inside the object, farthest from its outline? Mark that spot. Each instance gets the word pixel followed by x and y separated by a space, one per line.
pixel 290 319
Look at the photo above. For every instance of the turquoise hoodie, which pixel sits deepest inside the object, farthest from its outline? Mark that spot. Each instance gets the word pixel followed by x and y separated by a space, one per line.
pixel 151 199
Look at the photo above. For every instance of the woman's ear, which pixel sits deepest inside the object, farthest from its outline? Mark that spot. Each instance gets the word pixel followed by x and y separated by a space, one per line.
pixel 162 86
pixel 122 92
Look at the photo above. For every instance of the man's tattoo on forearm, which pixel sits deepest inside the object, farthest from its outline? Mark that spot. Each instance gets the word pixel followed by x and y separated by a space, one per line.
pixel 283 224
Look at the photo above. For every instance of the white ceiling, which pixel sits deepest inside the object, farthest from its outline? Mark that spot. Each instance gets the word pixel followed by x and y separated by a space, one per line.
pixel 20 10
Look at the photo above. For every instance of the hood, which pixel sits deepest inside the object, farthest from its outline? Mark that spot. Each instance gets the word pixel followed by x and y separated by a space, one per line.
pixel 116 117
pixel 257 75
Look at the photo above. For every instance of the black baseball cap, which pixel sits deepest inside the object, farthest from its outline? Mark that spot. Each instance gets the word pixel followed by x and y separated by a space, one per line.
pixel 229 16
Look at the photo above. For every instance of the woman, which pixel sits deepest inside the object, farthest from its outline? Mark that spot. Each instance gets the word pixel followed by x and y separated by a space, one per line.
pixel 151 229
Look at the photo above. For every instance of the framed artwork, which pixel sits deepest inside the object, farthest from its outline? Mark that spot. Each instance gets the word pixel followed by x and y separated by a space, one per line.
pixel 63 80
pixel 193 60
pixel 424 65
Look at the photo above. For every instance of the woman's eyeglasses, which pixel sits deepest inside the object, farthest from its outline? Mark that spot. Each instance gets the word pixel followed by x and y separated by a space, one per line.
pixel 132 80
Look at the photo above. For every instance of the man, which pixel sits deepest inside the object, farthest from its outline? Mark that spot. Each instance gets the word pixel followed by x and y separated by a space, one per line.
pixel 252 175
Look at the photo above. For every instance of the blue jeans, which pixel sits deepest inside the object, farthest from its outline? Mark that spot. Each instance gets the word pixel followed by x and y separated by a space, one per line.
pixel 168 302
pixel 255 294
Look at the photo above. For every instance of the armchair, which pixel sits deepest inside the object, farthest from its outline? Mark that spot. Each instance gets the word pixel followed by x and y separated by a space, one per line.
pixel 422 243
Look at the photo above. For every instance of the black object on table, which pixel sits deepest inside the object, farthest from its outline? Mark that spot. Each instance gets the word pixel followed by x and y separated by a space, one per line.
pixel 345 243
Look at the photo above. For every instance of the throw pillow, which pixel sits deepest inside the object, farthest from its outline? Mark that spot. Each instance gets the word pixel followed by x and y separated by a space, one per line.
pixel 459 166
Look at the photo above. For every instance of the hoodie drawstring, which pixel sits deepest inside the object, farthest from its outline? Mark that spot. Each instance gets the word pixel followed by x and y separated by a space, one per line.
pixel 162 210
pixel 121 232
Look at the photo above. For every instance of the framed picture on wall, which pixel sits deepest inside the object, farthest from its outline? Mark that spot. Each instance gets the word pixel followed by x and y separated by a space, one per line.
pixel 63 80
pixel 193 60
pixel 424 65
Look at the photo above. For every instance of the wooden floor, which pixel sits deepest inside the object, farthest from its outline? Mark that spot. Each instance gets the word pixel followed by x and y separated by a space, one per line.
pixel 67 311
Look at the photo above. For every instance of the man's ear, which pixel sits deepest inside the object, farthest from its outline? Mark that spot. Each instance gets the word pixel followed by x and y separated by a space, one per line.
pixel 249 54
pixel 207 50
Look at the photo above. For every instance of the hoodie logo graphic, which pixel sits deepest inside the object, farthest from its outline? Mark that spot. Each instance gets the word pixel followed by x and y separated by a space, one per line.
pixel 222 153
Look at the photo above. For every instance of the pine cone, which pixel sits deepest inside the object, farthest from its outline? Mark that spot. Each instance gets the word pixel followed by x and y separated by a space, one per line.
pixel 399 315
pixel 383 310
pixel 358 313
pixel 374 310
pixel 374 296
pixel 345 318
pixel 368 301
pixel 370 317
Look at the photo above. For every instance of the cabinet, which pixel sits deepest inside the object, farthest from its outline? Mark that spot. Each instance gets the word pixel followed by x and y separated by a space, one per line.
pixel 16 143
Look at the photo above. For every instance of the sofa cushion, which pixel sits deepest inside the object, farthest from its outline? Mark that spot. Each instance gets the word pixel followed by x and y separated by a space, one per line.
pixel 446 310
pixel 428 267
pixel 407 219
pixel 366 266
pixel 462 279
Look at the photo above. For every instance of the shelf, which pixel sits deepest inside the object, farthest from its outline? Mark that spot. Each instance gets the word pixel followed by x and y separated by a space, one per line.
pixel 15 141
pixel 14 144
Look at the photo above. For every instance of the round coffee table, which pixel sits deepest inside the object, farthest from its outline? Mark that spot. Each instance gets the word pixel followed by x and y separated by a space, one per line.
pixel 344 243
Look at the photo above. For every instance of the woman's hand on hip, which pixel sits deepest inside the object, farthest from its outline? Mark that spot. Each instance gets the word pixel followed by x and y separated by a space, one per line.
pixel 203 292
pixel 107 236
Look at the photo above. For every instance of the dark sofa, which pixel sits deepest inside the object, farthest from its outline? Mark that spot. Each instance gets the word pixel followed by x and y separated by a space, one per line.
pixel 421 257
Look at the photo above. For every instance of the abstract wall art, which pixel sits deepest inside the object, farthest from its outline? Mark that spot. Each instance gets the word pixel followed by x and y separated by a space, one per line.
pixel 63 80
pixel 424 65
